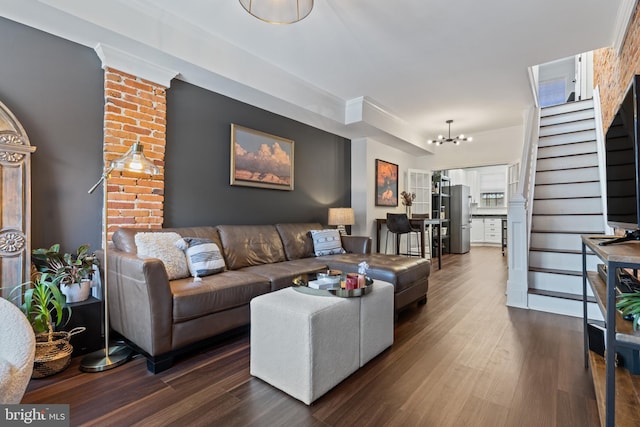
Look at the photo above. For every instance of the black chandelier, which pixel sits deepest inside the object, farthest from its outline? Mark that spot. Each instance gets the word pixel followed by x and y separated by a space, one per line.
pixel 456 139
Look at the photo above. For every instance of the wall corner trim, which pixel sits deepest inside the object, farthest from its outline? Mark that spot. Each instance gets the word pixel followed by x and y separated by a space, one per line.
pixel 623 20
pixel 131 64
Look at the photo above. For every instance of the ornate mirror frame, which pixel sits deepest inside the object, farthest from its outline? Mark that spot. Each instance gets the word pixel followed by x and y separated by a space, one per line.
pixel 15 202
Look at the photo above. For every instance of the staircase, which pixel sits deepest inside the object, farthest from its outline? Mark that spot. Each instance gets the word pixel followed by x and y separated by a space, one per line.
pixel 566 203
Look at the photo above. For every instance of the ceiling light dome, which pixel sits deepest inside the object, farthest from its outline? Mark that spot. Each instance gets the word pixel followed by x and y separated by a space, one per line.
pixel 278 11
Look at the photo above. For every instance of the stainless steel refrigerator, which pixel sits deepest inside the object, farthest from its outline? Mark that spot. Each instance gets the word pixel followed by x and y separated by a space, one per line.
pixel 460 219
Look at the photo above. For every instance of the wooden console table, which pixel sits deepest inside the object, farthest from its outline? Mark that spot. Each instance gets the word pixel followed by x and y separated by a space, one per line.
pixel 621 410
pixel 422 224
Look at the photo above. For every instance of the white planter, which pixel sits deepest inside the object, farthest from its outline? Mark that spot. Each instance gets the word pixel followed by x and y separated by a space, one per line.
pixel 77 292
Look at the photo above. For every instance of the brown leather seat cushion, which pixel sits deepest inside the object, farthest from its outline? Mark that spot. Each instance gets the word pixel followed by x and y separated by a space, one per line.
pixel 219 292
pixel 281 274
pixel 399 270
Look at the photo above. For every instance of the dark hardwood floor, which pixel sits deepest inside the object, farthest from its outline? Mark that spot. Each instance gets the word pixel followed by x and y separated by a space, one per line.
pixel 464 359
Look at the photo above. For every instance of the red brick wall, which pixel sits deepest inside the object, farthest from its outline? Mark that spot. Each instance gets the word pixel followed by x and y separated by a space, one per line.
pixel 135 111
pixel 612 73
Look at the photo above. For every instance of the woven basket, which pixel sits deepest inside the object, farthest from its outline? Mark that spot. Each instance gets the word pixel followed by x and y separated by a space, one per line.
pixel 55 355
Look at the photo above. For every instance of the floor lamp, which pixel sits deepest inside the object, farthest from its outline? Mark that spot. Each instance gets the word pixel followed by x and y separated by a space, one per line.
pixel 112 356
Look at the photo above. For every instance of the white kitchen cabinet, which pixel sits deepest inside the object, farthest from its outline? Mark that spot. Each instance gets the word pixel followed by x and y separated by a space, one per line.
pixel 486 231
pixel 492 230
pixel 474 186
pixel 477 230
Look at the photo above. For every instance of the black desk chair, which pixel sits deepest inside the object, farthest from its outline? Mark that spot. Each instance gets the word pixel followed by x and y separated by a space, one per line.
pixel 399 224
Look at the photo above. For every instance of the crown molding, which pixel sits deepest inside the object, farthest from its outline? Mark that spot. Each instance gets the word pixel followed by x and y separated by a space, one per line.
pixel 131 64
pixel 623 20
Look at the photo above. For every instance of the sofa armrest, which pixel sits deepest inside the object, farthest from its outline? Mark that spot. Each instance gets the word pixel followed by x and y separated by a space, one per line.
pixel 140 301
pixel 356 244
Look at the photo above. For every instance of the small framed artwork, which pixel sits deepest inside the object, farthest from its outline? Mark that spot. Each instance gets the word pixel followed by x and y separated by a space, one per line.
pixel 386 183
pixel 261 160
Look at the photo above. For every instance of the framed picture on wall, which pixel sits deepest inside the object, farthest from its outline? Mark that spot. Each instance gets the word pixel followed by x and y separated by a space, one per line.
pixel 386 183
pixel 261 160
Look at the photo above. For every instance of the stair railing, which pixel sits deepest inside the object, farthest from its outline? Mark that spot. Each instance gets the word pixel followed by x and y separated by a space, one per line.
pixel 519 215
pixel 602 165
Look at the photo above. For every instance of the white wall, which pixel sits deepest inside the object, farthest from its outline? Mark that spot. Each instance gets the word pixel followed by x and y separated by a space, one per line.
pixel 364 152
pixel 499 146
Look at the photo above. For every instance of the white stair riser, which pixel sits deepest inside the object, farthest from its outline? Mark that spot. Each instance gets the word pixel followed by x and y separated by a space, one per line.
pixel 570 138
pixel 557 282
pixel 559 241
pixel 563 306
pixel 571 175
pixel 581 223
pixel 561 261
pixel 554 191
pixel 567 206
pixel 566 149
pixel 566 108
pixel 571 116
pixel 567 127
pixel 568 162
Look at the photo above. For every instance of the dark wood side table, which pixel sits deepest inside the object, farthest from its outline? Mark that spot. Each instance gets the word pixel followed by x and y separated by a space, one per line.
pixel 88 314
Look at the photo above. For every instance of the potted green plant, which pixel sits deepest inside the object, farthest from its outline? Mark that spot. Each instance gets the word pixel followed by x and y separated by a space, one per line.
pixel 45 307
pixel 74 271
pixel 629 305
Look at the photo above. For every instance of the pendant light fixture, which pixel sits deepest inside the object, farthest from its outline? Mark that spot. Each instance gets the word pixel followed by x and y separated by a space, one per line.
pixel 278 11
pixel 456 139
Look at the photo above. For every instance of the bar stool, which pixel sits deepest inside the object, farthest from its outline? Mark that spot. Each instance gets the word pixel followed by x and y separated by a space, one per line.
pixel 399 224
pixel 428 241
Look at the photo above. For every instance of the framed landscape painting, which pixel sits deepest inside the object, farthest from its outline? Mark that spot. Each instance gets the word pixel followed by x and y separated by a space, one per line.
pixel 386 183
pixel 260 160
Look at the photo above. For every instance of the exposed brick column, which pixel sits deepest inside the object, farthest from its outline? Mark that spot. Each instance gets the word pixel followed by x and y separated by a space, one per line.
pixel 135 111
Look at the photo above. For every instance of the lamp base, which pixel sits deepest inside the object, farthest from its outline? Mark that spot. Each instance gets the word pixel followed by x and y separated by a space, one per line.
pixel 98 362
pixel 342 230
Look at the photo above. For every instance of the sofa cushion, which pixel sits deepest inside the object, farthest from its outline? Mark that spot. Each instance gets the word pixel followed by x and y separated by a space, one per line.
pixel 281 274
pixel 246 245
pixel 296 239
pixel 203 256
pixel 124 237
pixel 327 242
pixel 163 247
pixel 193 299
pixel 401 271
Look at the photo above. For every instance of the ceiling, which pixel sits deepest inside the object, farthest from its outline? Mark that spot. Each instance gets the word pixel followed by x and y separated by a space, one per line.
pixel 393 70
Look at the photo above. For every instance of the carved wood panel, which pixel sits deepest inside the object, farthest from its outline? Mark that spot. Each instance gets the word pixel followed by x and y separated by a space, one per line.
pixel 15 202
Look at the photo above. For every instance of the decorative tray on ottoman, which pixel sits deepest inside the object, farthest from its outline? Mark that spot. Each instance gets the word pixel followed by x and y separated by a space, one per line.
pixel 301 284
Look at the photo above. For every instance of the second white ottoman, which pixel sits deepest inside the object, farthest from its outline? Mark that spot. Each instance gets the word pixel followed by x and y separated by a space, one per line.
pixel 304 344
pixel 376 321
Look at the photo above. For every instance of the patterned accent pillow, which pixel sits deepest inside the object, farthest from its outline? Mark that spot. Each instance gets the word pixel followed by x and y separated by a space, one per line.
pixel 327 242
pixel 203 256
pixel 162 245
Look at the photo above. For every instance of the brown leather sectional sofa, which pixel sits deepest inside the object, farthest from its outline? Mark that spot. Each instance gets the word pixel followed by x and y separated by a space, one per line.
pixel 163 318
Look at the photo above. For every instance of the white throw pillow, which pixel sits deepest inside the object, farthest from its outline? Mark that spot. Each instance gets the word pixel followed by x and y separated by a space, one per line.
pixel 327 242
pixel 162 245
pixel 203 256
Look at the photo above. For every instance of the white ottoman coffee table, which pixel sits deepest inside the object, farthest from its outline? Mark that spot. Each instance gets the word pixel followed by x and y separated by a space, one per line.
pixel 306 344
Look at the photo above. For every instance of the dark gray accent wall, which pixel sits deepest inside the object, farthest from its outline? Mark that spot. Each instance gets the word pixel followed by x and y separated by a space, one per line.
pixel 55 89
pixel 197 189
